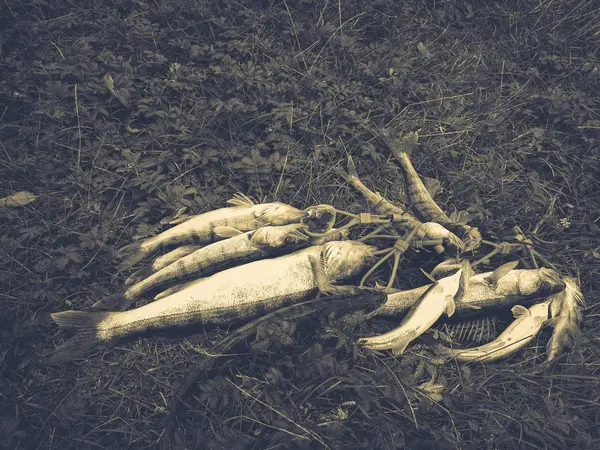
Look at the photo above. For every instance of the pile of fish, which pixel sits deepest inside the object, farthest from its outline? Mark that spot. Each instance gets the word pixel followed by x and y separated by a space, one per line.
pixel 245 261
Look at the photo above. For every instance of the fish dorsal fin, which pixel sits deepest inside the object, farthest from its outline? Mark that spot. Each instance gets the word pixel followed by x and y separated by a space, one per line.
pixel 500 273
pixel 226 232
pixel 519 311
pixel 450 305
pixel 240 199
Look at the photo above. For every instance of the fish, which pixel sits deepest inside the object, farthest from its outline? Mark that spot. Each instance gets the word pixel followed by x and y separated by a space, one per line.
pixel 436 300
pixel 567 310
pixel 519 286
pixel 235 294
pixel 160 263
pixel 527 324
pixel 428 230
pixel 425 208
pixel 244 215
pixel 239 249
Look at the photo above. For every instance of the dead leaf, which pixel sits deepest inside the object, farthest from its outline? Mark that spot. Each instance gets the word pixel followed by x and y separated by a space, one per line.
pixel 19 199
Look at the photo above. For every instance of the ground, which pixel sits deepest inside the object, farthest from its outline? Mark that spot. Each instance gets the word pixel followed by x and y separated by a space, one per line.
pixel 118 114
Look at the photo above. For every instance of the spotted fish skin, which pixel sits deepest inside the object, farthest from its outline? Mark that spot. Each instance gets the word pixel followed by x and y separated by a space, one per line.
pixel 244 216
pixel 235 294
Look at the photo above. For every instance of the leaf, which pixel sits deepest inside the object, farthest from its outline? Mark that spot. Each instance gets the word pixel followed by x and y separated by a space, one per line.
pixel 21 198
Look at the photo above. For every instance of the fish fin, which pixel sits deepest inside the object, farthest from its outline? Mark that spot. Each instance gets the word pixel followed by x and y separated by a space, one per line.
pixel 408 142
pixel 351 167
pixel 139 275
pixel 428 275
pixel 131 255
pixel 114 302
pixel 468 305
pixel 519 311
pixel 319 272
pixel 179 220
pixel 77 347
pixel 399 345
pixel 450 305
pixel 465 278
pixel 553 321
pixel 500 273
pixel 79 320
pixel 226 232
pixel 241 200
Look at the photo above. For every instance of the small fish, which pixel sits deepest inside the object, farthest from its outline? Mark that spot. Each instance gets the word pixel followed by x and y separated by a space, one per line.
pixel 525 327
pixel 519 286
pixel 419 197
pixel 244 215
pixel 239 248
pixel 436 300
pixel 380 205
pixel 235 294
pixel 567 319
pixel 500 273
pixel 160 263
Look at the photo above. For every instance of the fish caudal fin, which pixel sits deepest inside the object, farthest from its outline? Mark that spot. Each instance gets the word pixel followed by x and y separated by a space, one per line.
pixel 139 275
pixel 86 339
pixel 131 255
pixel 399 345
pixel 226 232
pixel 114 302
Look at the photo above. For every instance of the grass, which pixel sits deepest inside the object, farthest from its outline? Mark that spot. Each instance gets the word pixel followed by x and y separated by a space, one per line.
pixel 263 97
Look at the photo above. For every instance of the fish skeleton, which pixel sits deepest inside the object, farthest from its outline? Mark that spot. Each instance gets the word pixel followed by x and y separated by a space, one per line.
pixel 436 300
pixel 239 249
pixel 428 230
pixel 243 216
pixel 525 327
pixel 160 263
pixel 419 197
pixel 567 319
pixel 238 293
pixel 518 286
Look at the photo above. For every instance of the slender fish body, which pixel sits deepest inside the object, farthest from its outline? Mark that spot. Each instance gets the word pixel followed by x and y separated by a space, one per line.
pixel 567 319
pixel 161 262
pixel 519 286
pixel 243 216
pixel 234 294
pixel 429 230
pixel 425 208
pixel 436 300
pixel 239 249
pixel 525 327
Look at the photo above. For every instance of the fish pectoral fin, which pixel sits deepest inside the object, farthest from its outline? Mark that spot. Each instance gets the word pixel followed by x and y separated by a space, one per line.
pixel 399 345
pixel 450 305
pixel 241 200
pixel 500 273
pixel 226 232
pixel 468 305
pixel 179 220
pixel 519 311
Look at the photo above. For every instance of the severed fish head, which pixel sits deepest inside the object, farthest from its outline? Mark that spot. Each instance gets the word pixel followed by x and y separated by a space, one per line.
pixel 320 218
pixel 277 213
pixel 345 259
pixel 288 236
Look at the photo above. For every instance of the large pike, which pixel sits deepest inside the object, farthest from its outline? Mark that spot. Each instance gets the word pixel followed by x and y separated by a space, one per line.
pixel 567 319
pixel 234 294
pixel 525 327
pixel 239 249
pixel 428 230
pixel 419 197
pixel 520 286
pixel 436 300
pixel 244 215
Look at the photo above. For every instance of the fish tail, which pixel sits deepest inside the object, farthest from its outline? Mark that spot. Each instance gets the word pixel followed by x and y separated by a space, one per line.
pixel 114 302
pixel 139 275
pixel 399 345
pixel 87 338
pixel 131 254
